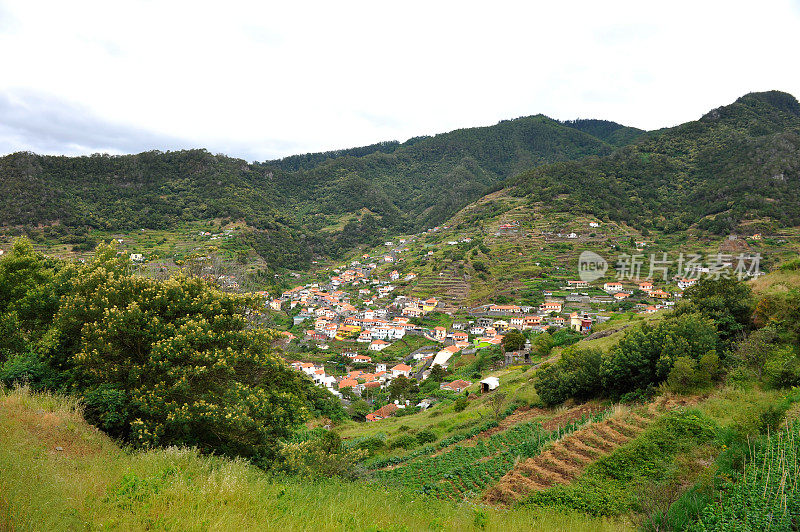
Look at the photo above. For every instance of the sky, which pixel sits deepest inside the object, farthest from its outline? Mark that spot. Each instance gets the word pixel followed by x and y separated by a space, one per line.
pixel 262 80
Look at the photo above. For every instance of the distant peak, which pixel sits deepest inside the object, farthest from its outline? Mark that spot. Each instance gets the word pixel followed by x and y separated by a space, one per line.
pixel 780 100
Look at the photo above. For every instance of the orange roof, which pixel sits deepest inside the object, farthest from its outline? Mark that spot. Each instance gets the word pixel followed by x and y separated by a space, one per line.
pixel 347 383
pixel 401 367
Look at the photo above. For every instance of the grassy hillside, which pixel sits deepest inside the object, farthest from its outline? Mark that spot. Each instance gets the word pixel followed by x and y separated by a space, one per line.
pixel 61 474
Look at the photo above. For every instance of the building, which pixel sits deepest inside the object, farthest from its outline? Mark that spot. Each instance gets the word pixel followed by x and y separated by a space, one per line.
pixel 612 287
pixel 383 412
pixel 401 369
pixel 455 386
pixel 378 345
pixel 489 383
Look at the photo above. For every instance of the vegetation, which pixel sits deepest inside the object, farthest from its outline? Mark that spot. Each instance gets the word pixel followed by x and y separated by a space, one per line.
pixel 708 166
pixel 170 362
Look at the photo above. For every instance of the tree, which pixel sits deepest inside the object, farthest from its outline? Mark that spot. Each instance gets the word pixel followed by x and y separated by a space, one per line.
pixel 438 373
pixel 728 302
pixel 646 354
pixel 173 362
pixel 754 351
pixel 495 402
pixel 402 388
pixel 359 409
pixel 513 340
pixel 576 374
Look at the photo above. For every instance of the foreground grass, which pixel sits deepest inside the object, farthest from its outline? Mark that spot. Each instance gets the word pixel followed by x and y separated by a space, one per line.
pixel 58 473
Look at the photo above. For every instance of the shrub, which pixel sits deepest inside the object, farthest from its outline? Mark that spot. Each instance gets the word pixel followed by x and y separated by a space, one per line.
pixel 460 404
pixel 405 441
pixel 426 436
pixel 782 368
pixel 321 457
pixel 575 374
pixel 646 354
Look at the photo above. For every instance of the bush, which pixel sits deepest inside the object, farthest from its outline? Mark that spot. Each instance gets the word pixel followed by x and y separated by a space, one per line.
pixel 460 404
pixel 646 354
pixel 575 374
pixel 426 436
pixel 321 457
pixel 782 368
pixel 172 362
pixel 29 368
pixel 404 441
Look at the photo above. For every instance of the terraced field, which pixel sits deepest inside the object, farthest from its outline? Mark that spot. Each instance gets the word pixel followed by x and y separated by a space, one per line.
pixel 569 456
pixel 467 471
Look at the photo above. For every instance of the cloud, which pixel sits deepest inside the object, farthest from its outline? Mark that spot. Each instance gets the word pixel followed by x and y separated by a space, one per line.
pixel 44 123
pixel 263 80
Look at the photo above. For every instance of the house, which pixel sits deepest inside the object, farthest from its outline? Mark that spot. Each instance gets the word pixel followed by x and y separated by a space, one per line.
pixel 612 287
pixel 658 294
pixel 686 283
pixel 362 359
pixel 650 310
pixel 378 345
pixel 364 337
pixel 550 306
pixel 347 383
pixel 383 412
pixel 477 330
pixel 395 275
pixel 489 383
pixel 594 224
pixel 439 333
pixel 380 368
pixel 580 323
pixel 505 309
pixel 413 312
pixel 137 257
pixel 577 284
pixel 430 304
pixel 460 336
pixel 455 386
pixel 529 322
pixel 645 286
pixel 401 369
pixel 275 304
pixel 619 296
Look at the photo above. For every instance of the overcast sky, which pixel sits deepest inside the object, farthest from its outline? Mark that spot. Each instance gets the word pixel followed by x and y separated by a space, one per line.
pixel 260 80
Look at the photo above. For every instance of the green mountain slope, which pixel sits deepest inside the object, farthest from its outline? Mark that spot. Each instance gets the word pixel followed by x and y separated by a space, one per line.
pixel 739 162
pixel 425 180
pixel 397 186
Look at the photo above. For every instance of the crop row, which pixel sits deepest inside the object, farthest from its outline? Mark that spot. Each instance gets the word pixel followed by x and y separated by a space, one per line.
pixel 465 470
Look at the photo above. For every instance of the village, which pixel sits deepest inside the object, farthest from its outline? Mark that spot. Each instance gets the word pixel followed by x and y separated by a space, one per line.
pixel 357 314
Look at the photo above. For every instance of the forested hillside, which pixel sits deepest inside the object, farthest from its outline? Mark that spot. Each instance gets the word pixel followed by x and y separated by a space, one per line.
pixel 739 162
pixel 383 187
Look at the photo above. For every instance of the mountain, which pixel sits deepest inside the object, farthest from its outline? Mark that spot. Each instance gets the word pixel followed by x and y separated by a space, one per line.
pixel 315 203
pixel 427 179
pixel 738 163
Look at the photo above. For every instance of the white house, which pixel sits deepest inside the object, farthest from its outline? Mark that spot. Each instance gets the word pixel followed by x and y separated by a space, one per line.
pixel 378 345
pixel 401 369
pixel 612 287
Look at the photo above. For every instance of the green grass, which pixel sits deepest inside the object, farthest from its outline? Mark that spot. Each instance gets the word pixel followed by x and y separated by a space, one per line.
pixel 93 484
